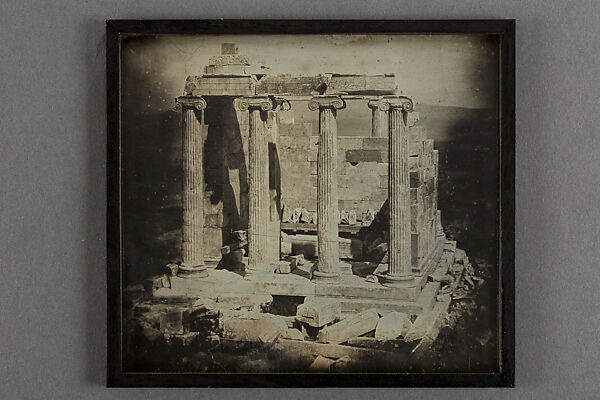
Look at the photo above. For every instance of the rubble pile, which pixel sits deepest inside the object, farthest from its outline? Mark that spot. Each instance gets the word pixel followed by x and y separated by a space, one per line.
pixel 313 329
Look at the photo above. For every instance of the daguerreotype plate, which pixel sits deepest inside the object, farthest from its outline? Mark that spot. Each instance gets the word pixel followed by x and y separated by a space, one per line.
pixel 310 203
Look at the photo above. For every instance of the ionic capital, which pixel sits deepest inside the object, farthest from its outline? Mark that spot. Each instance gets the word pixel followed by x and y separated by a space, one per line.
pixel 387 103
pixel 189 102
pixel 379 104
pixel 246 103
pixel 401 102
pixel 319 102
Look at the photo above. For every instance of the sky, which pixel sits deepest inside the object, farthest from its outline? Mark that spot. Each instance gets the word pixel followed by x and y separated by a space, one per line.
pixel 449 70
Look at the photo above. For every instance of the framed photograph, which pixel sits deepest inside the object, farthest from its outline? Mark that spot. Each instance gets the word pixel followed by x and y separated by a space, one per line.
pixel 320 203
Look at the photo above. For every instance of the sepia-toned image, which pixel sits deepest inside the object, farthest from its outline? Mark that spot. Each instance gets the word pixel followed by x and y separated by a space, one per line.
pixel 310 203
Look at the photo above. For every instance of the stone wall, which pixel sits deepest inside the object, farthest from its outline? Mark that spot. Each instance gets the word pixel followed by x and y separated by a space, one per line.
pixel 362 169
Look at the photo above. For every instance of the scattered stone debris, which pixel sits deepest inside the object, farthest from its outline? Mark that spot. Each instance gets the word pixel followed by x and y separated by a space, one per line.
pixel 319 326
pixel 293 334
pixel 296 261
pixel 306 217
pixel 251 326
pixel 286 213
pixel 392 326
pixel 233 254
pixel 156 282
pixel 296 215
pixel 283 267
pixel 344 217
pixel 352 218
pixel 368 217
pixel 352 326
pixel 321 364
pixel 174 268
pixel 171 322
pixel 318 312
pixel 249 302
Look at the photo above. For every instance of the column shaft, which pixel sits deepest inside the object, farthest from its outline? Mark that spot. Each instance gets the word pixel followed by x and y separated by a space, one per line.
pixel 194 132
pixel 380 122
pixel 328 265
pixel 399 200
pixel 258 197
pixel 327 199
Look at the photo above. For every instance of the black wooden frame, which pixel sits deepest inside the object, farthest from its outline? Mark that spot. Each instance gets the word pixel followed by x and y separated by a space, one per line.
pixel 505 29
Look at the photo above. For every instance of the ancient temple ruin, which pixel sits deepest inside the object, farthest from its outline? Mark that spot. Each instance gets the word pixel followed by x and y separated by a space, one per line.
pixel 282 179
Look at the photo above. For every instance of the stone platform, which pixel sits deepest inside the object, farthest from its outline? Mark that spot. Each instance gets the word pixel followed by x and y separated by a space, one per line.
pixel 353 291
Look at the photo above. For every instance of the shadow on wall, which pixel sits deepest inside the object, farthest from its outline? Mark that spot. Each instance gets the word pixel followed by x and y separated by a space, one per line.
pixel 274 182
pixel 467 140
pixel 152 184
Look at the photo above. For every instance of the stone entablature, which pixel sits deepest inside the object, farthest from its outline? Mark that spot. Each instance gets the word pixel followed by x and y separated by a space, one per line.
pixel 235 82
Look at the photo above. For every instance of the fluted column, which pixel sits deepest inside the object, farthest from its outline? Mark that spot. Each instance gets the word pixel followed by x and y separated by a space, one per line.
pixel 399 257
pixel 327 199
pixel 380 124
pixel 194 135
pixel 259 213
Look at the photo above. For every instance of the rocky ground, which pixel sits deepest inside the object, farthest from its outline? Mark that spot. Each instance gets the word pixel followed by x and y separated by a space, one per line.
pixel 291 334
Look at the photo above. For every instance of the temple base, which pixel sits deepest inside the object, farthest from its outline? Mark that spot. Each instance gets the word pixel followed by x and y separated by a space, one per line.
pixel 260 273
pixel 325 277
pixel 196 272
pixel 405 281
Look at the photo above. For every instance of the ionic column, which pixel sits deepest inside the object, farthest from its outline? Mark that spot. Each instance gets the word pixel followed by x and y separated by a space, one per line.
pixel 327 199
pixel 399 251
pixel 194 135
pixel 259 213
pixel 380 123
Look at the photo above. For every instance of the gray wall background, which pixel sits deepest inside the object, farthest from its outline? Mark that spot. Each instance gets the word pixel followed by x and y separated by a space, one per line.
pixel 52 188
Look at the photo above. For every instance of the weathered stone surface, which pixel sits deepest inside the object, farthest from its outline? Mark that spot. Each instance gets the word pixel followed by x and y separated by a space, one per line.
pixel 229 48
pixel 220 85
pixel 300 349
pixel 171 322
pixel 293 334
pixel 352 219
pixel 290 85
pixel 368 217
pixel 353 325
pixel 154 283
pixel 173 268
pixel 283 267
pixel 321 364
pixel 430 327
pixel 251 326
pixel 308 246
pixel 296 261
pixel 286 213
pixel 362 84
pixel 364 156
pixel 290 320
pixel 392 325
pixel 204 304
pixel 305 216
pixel 318 312
pixel 296 215
pixel 439 274
pixel 344 217
pixel 427 324
pixel 249 302
pixel 334 83
pixel 229 59
pixel 427 296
